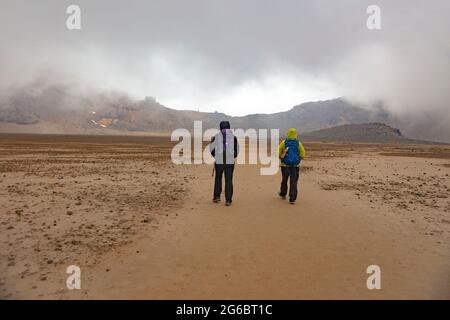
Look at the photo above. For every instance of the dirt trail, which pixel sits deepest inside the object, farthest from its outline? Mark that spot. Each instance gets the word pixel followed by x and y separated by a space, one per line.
pixel 264 248
pixel 140 227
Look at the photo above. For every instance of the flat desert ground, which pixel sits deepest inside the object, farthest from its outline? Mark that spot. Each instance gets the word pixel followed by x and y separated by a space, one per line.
pixel 140 227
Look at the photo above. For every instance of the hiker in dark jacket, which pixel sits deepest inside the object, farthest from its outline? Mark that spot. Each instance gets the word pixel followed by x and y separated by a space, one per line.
pixel 224 148
pixel 291 152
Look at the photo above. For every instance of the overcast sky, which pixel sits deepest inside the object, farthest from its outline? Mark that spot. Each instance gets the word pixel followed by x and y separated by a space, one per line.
pixel 237 56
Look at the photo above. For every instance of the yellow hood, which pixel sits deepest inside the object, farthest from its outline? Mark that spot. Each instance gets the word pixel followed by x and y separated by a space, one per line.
pixel 291 133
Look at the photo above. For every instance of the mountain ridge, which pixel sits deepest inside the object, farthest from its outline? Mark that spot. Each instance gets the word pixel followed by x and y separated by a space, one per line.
pixel 57 110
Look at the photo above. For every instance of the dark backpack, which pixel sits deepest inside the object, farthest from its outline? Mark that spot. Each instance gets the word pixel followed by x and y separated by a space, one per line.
pixel 292 157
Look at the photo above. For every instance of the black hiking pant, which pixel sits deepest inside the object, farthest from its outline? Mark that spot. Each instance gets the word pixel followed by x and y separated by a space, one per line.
pixel 291 174
pixel 222 169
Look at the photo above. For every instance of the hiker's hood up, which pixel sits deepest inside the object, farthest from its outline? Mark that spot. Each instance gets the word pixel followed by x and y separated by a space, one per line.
pixel 291 133
pixel 224 125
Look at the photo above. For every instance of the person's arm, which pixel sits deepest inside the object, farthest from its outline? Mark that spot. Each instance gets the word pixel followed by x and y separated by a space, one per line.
pixel 301 150
pixel 212 148
pixel 236 147
pixel 281 148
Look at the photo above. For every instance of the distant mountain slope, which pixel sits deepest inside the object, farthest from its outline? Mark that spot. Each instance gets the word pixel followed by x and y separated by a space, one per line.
pixel 315 115
pixel 366 132
pixel 57 110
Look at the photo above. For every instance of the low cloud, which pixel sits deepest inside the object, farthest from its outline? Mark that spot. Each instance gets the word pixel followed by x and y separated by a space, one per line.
pixel 239 57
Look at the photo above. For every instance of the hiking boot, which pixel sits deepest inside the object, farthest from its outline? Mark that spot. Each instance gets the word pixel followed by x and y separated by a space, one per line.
pixel 281 196
pixel 228 203
pixel 216 200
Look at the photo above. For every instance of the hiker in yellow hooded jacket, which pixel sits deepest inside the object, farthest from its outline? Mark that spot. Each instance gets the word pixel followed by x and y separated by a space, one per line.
pixel 291 152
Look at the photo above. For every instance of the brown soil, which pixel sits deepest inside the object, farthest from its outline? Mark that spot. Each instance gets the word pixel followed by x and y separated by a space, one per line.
pixel 140 227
